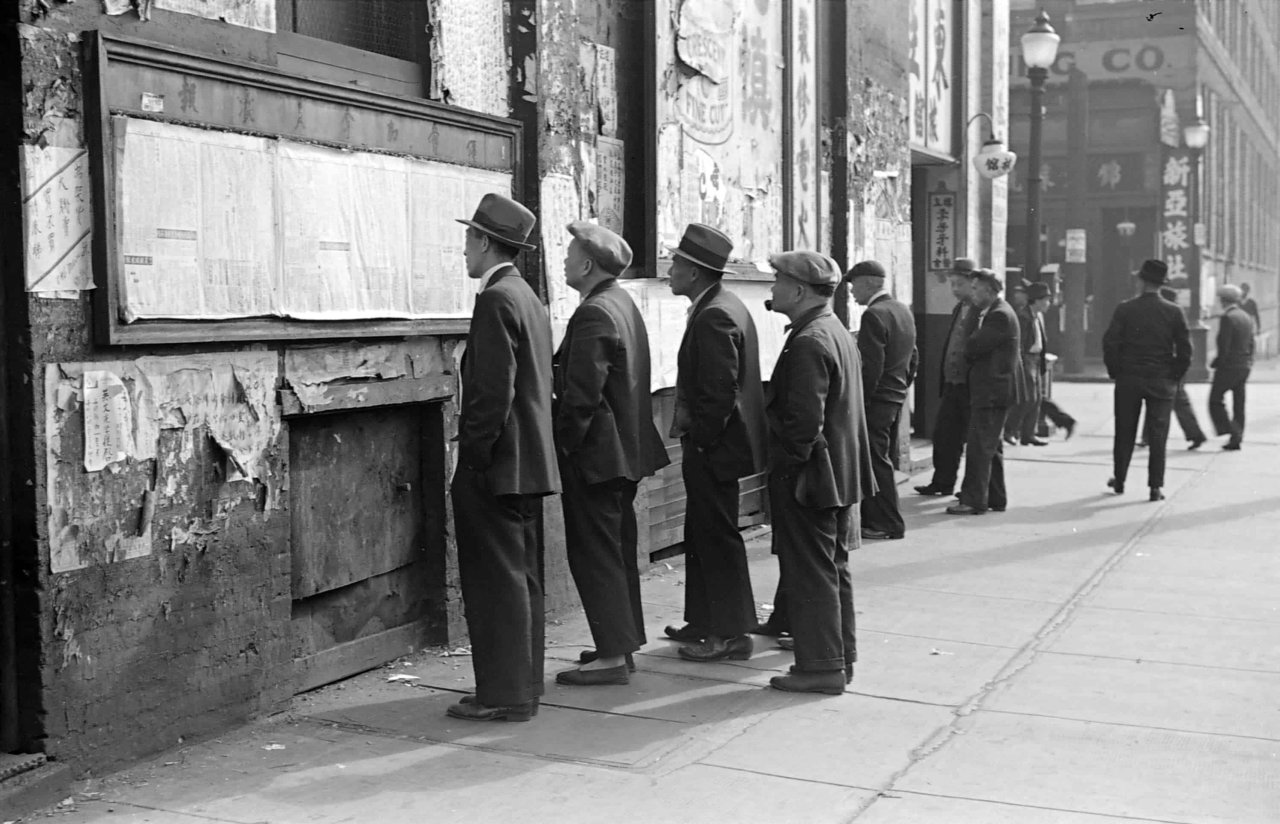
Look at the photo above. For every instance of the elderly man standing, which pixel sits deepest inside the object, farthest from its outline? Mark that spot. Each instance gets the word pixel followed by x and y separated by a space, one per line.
pixel 887 347
pixel 819 461
pixel 995 366
pixel 506 465
pixel 951 425
pixel 719 418
pixel 1147 350
pixel 606 442
pixel 1231 366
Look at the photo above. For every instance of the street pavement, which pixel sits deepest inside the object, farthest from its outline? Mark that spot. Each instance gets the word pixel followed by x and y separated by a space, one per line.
pixel 1080 659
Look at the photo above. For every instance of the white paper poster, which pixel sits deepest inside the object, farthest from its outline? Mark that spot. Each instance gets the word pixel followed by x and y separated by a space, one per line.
pixel 610 183
pixel 57 219
pixel 253 14
pixel 607 89
pixel 469 55
pixel 108 420
pixel 560 207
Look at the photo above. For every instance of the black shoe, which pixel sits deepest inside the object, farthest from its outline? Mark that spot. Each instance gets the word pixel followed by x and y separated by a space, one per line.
pixel 1231 446
pixel 1000 508
pixel 933 489
pixel 848 672
pixel 769 628
pixel 1142 444
pixel 589 655
pixel 732 649
pixel 826 683
pixel 475 711
pixel 1035 442
pixel 869 534
pixel 1195 444
pixel 688 633
pixel 964 509
pixel 594 678
pixel 471 699
pixel 1070 428
pixel 1156 494
pixel 1118 486
pixel 1012 441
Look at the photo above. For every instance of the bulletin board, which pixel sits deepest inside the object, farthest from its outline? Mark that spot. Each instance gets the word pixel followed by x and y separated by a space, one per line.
pixel 243 203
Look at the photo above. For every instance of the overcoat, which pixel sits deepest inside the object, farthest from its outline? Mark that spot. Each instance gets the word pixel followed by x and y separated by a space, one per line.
pixel 994 356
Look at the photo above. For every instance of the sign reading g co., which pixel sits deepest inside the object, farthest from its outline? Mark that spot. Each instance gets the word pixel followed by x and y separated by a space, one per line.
pixel 1110 59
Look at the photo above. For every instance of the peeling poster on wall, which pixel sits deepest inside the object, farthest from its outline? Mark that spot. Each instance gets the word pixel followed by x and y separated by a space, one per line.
pixel 108 420
pixel 57 219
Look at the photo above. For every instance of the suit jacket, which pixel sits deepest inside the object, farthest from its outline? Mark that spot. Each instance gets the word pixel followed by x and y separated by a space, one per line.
pixel 970 323
pixel 1235 340
pixel 603 406
pixel 1250 306
pixel 887 346
pixel 1147 338
pixel 817 426
pixel 505 427
pixel 719 397
pixel 994 355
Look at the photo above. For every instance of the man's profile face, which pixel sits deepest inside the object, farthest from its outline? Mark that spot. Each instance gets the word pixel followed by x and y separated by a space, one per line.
pixel 961 287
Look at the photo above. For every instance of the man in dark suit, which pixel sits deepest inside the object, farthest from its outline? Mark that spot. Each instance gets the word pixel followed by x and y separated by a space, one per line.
pixel 719 418
pixel 1183 411
pixel 1039 298
pixel 607 442
pixel 1020 427
pixel 1231 366
pixel 887 348
pixel 951 424
pixel 506 465
pixel 819 465
pixel 995 365
pixel 1147 350
pixel 1250 306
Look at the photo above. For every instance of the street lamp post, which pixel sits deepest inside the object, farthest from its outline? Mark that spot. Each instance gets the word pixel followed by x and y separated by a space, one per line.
pixel 1196 136
pixel 1039 50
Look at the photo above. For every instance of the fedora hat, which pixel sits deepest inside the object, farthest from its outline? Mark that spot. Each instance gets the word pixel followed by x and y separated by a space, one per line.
pixel 705 246
pixel 1154 271
pixel 964 266
pixel 502 218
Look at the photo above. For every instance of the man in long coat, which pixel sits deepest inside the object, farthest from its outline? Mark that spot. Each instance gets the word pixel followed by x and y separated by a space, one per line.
pixel 819 467
pixel 506 465
pixel 607 442
pixel 1020 426
pixel 719 419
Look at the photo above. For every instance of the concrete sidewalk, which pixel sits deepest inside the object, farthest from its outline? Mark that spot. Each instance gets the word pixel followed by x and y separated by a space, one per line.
pixel 1079 659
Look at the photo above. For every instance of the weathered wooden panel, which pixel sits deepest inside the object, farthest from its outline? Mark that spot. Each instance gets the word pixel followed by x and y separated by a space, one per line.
pixel 356 490
pixel 360 610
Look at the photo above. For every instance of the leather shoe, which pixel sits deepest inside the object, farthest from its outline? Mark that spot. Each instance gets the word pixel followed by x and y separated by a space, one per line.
pixel 964 509
pixel 1118 486
pixel 593 678
pixel 475 711
pixel 687 633
pixel 1142 444
pixel 768 628
pixel 1195 444
pixel 1231 446
pixel 1070 428
pixel 1012 441
pixel 827 683
pixel 471 699
pixel 733 649
pixel 1035 442
pixel 1156 494
pixel 848 672
pixel 589 655
pixel 931 489
pixel 879 535
pixel 786 643
pixel 994 508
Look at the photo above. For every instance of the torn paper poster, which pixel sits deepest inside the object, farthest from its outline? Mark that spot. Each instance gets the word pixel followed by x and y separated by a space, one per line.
pixel 610 187
pixel 607 89
pixel 108 420
pixel 57 219
pixel 560 207
pixel 253 14
pixel 469 54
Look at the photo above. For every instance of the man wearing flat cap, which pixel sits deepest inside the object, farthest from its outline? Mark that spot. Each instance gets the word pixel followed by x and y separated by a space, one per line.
pixel 887 348
pixel 1020 427
pixel 1147 351
pixel 606 442
pixel 995 384
pixel 1231 366
pixel 819 470
pixel 719 419
pixel 506 465
pixel 951 424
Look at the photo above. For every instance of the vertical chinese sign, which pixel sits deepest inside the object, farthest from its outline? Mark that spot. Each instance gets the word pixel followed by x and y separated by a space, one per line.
pixel 942 229
pixel 930 86
pixel 803 103
pixel 1178 245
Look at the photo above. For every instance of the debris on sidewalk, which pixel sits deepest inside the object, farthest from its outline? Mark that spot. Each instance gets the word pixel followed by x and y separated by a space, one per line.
pixel 936 651
pixel 275 747
pixel 401 678
pixel 456 651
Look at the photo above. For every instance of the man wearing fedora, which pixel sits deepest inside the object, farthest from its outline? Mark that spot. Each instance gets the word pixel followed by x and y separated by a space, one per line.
pixel 1020 427
pixel 506 465
pixel 819 469
pixel 606 442
pixel 1147 351
pixel 995 384
pixel 719 419
pixel 951 424
pixel 887 349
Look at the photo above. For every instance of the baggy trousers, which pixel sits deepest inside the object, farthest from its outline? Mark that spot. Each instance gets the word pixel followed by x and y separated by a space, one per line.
pixel 1186 415
pixel 813 553
pixel 1025 417
pixel 880 511
pixel 500 566
pixel 600 542
pixel 950 428
pixel 983 486
pixel 1131 394
pixel 1233 380
pixel 717 592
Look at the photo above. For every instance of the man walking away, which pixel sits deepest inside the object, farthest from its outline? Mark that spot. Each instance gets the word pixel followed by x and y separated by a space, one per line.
pixel 1250 306
pixel 1231 366
pixel 1183 411
pixel 1020 428
pixel 1147 350
pixel 887 348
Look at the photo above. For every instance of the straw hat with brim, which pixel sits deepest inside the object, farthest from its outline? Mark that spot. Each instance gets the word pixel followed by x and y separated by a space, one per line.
pixel 1154 271
pixel 705 246
pixel 502 218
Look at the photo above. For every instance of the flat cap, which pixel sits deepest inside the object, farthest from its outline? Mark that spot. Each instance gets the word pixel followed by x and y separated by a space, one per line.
pixel 806 267
pixel 1018 286
pixel 606 248
pixel 1038 290
pixel 988 277
pixel 964 266
pixel 866 269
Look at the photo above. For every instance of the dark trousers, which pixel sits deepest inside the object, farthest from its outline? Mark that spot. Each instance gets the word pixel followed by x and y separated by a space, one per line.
pixel 880 511
pixel 1020 425
pixel 983 485
pixel 600 542
pixel 1233 380
pixel 1131 395
pixel 1186 415
pixel 717 588
pixel 1055 414
pixel 500 564
pixel 813 553
pixel 950 428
